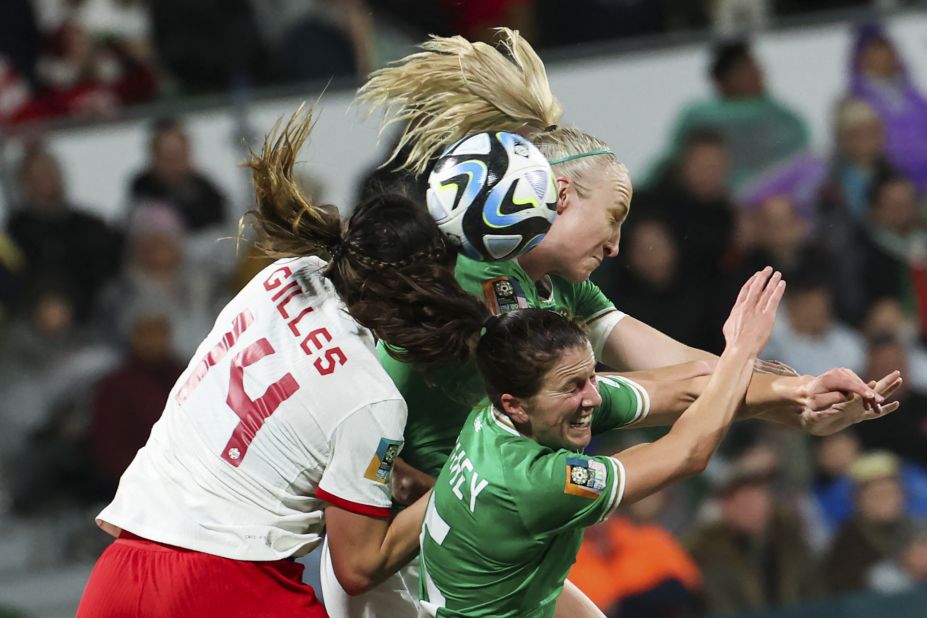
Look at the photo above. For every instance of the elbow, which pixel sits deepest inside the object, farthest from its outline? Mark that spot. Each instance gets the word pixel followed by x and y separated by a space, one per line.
pixel 355 579
pixel 356 583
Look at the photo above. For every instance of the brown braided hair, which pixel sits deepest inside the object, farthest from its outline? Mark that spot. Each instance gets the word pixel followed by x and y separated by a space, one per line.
pixel 390 264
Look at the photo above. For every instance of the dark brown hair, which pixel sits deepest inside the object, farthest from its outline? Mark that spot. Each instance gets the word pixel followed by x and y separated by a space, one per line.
pixel 518 348
pixel 390 264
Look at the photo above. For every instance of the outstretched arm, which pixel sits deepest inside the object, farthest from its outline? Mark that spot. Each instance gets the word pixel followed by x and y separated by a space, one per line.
pixel 689 445
pixel 635 346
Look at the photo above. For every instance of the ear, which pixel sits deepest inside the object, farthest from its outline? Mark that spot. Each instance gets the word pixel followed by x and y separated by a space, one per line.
pixel 563 184
pixel 514 408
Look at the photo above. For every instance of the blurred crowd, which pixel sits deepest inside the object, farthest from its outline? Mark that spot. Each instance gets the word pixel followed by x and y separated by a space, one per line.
pixel 99 319
pixel 783 517
pixel 93 58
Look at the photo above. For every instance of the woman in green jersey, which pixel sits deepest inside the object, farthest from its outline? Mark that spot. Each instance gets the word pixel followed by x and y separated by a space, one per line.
pixel 506 515
pixel 454 88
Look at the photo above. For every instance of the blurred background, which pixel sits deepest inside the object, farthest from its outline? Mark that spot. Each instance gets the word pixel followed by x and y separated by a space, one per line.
pixel 756 131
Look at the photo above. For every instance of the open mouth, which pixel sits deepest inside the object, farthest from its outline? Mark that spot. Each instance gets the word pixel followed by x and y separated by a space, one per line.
pixel 583 421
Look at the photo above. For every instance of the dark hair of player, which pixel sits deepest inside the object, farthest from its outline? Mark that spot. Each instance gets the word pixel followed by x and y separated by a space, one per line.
pixel 390 264
pixel 518 348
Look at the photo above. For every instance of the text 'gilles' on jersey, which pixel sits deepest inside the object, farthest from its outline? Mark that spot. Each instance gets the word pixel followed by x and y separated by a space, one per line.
pixel 284 407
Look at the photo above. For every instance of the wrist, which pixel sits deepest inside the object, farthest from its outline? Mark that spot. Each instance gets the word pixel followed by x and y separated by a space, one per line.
pixel 795 390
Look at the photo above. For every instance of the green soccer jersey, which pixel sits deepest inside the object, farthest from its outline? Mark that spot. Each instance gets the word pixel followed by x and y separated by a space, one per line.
pixel 439 403
pixel 506 518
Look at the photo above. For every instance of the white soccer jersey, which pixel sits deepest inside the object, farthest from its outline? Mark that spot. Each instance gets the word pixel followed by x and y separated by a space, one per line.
pixel 283 408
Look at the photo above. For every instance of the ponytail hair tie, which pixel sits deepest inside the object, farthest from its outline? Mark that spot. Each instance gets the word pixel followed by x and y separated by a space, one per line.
pixel 550 128
pixel 336 249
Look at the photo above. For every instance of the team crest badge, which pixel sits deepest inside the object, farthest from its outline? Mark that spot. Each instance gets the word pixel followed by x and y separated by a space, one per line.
pixel 585 477
pixel 382 462
pixel 503 295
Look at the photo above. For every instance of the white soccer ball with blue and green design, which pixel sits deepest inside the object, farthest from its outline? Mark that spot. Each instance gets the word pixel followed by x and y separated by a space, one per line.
pixel 494 195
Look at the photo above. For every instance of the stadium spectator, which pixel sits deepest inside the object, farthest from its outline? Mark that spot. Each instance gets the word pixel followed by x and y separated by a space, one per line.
pixel 172 177
pixel 693 195
pixel 144 377
pixel 316 39
pixel 631 567
pixel 155 267
pixel 859 155
pixel 760 132
pixel 894 246
pixel 878 527
pixel 906 569
pixel 833 487
pixel 47 360
pixel 19 38
pixel 807 334
pixel 80 76
pixel 208 45
pixel 756 556
pixel 58 239
pixel 903 434
pixel 887 317
pixel 879 77
pixel 650 281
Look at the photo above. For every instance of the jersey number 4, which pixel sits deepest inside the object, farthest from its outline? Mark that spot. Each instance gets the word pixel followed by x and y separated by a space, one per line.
pixel 251 412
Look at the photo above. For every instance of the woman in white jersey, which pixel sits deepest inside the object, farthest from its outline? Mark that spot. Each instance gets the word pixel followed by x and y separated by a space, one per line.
pixel 284 417
pixel 454 88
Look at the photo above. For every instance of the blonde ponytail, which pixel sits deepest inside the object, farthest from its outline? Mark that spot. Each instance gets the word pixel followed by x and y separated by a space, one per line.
pixel 454 88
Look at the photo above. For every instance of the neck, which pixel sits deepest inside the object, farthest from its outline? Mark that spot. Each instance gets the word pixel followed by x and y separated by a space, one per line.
pixel 535 264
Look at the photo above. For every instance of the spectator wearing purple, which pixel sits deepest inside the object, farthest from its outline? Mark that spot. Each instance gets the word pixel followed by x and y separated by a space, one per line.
pixel 879 77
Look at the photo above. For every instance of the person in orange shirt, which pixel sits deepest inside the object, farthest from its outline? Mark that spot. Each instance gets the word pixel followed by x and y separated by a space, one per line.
pixel 631 567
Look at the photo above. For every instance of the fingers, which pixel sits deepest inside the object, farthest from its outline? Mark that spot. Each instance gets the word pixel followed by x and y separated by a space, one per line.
pixel 757 286
pixel 742 295
pixel 845 380
pixel 827 400
pixel 870 415
pixel 889 383
pixel 773 293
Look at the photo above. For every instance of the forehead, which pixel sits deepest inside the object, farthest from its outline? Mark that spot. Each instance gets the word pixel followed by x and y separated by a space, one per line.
pixel 577 361
pixel 610 188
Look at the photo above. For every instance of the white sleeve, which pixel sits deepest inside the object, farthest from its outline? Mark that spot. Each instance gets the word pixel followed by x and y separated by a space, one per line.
pixel 600 327
pixel 363 448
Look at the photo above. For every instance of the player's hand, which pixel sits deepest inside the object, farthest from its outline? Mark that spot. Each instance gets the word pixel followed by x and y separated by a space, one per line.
pixel 408 484
pixel 751 320
pixel 838 386
pixel 839 416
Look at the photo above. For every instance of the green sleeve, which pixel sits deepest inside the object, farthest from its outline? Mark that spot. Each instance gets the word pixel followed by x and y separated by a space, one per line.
pixel 438 404
pixel 562 490
pixel 589 302
pixel 623 402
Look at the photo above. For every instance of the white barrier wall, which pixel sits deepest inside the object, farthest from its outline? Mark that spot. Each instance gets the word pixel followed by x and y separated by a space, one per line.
pixel 630 100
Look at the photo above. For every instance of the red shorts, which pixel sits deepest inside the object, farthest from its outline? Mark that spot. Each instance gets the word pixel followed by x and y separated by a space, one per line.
pixel 140 578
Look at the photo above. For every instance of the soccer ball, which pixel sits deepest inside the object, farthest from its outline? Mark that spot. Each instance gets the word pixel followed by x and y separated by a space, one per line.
pixel 493 195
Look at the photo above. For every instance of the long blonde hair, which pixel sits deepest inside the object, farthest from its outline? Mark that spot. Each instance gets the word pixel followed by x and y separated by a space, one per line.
pixel 454 88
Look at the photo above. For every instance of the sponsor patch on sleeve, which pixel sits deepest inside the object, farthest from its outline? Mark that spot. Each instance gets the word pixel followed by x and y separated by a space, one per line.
pixel 382 462
pixel 585 477
pixel 503 295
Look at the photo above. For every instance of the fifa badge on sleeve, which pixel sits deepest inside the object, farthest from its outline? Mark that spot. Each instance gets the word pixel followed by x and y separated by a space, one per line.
pixel 382 462
pixel 585 477
pixel 503 295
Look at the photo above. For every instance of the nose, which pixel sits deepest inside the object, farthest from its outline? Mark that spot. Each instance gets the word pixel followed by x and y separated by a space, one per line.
pixel 591 396
pixel 611 245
